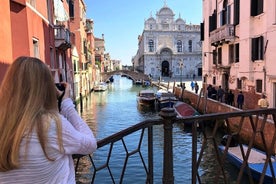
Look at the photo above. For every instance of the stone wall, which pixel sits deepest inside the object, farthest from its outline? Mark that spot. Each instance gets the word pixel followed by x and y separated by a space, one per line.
pixel 213 106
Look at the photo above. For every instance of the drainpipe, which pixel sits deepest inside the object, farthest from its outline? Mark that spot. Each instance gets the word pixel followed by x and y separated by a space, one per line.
pixel 264 67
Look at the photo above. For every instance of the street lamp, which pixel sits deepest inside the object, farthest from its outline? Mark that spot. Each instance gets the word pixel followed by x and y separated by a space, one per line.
pixel 159 69
pixel 181 64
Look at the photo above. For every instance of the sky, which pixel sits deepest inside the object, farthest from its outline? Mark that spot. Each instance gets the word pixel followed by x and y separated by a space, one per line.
pixel 121 21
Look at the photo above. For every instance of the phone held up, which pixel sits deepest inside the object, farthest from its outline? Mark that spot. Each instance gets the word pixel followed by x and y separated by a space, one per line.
pixel 60 87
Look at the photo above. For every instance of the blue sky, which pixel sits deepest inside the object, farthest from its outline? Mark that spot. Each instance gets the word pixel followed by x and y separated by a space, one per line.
pixel 121 21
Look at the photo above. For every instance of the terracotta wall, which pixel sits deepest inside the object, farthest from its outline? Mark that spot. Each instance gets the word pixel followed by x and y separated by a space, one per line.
pixel 213 106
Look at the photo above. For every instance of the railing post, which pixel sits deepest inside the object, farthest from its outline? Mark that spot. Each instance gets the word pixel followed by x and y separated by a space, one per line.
pixel 168 114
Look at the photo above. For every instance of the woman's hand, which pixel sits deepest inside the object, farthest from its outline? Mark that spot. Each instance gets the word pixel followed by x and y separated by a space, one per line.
pixel 67 87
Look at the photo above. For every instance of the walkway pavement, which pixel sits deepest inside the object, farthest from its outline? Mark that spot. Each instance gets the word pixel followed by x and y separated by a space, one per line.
pixel 177 80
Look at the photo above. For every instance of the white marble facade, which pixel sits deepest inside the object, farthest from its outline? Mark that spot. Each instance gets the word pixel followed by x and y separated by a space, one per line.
pixel 169 47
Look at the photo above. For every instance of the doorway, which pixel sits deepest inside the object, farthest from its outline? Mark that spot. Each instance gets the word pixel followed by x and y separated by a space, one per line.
pixel 165 69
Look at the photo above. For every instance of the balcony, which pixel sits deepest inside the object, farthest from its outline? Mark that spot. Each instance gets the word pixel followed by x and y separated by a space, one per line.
pixel 224 34
pixel 62 37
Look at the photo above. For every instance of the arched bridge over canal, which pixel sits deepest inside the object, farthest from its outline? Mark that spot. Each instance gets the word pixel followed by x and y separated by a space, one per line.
pixel 135 76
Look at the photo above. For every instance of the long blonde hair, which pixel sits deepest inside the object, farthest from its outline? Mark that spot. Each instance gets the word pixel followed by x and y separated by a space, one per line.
pixel 27 96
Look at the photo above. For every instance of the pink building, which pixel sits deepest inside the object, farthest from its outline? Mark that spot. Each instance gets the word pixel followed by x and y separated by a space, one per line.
pixel 239 44
pixel 29 28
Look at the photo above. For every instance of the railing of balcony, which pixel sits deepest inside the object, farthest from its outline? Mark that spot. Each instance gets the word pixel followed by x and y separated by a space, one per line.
pixel 144 132
pixel 61 33
pixel 223 33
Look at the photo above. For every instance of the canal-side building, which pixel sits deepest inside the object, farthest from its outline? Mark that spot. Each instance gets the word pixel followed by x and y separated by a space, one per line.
pixel 100 52
pixel 239 44
pixel 29 28
pixel 83 48
pixel 168 47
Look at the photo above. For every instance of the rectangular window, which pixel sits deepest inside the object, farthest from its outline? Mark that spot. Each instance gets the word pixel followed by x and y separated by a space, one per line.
pixel 256 7
pixel 219 55
pixel 214 57
pixel 213 21
pixel 257 48
pixel 222 17
pixel 259 86
pixel 36 48
pixel 228 15
pixel 202 31
pixel 231 53
pixel 75 66
pixel 239 83
pixel 237 53
pixel 234 53
pixel 49 11
pixel 236 12
pixel 214 81
pixel 71 9
pixel 190 46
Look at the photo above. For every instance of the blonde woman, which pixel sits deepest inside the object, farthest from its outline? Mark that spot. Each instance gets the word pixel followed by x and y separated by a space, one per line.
pixel 37 142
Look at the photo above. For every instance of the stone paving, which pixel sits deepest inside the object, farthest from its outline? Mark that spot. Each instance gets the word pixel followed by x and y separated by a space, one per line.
pixel 165 80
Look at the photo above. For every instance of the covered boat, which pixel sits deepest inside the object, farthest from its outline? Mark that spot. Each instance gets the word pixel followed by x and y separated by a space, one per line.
pixel 165 99
pixel 146 98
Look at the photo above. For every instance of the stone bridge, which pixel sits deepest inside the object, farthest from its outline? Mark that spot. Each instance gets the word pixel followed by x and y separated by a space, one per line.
pixel 135 76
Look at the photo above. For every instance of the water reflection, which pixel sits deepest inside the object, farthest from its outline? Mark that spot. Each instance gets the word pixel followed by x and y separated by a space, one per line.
pixel 116 109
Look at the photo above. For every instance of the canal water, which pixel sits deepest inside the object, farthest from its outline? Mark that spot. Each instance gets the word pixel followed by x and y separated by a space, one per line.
pixel 116 109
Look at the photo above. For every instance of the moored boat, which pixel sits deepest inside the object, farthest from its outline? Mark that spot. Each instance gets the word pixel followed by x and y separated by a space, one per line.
pixel 256 162
pixel 102 86
pixel 146 98
pixel 184 110
pixel 165 98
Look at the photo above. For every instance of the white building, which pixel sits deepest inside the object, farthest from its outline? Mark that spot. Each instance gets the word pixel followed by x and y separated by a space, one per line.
pixel 169 47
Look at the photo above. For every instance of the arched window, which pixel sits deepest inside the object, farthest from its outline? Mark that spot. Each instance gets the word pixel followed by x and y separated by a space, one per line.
pixel 190 46
pixel 179 46
pixel 151 46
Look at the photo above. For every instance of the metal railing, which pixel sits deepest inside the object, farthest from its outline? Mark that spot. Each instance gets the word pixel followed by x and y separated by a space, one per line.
pixel 256 120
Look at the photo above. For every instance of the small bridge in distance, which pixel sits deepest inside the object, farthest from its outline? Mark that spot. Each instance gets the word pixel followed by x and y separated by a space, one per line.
pixel 135 76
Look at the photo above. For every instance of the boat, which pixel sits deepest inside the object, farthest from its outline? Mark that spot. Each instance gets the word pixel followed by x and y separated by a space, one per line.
pixel 256 161
pixel 102 86
pixel 138 82
pixel 146 97
pixel 165 98
pixel 184 110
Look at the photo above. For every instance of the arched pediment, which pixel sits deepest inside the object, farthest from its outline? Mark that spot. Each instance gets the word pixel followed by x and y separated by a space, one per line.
pixel 165 51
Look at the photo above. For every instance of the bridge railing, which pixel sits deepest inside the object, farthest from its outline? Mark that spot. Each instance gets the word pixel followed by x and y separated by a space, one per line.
pixel 111 162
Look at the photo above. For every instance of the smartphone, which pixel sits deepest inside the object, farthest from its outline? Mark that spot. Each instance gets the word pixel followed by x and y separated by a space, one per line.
pixel 60 86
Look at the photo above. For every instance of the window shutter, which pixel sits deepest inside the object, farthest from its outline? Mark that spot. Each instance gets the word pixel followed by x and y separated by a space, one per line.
pixel 253 8
pixel 210 24
pixel 260 6
pixel 71 9
pixel 261 40
pixel 254 51
pixel 237 52
pixel 236 12
pixel 201 31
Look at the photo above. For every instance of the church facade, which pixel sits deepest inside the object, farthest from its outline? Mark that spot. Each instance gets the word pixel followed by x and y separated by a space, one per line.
pixel 169 47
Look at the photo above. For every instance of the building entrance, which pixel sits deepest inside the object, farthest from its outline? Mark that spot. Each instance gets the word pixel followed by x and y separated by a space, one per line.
pixel 165 69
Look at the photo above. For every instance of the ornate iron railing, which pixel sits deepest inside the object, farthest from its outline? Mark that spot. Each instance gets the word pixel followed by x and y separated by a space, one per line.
pixel 255 121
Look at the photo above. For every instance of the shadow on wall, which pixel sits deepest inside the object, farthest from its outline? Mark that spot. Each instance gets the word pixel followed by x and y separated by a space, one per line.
pixel 3 69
